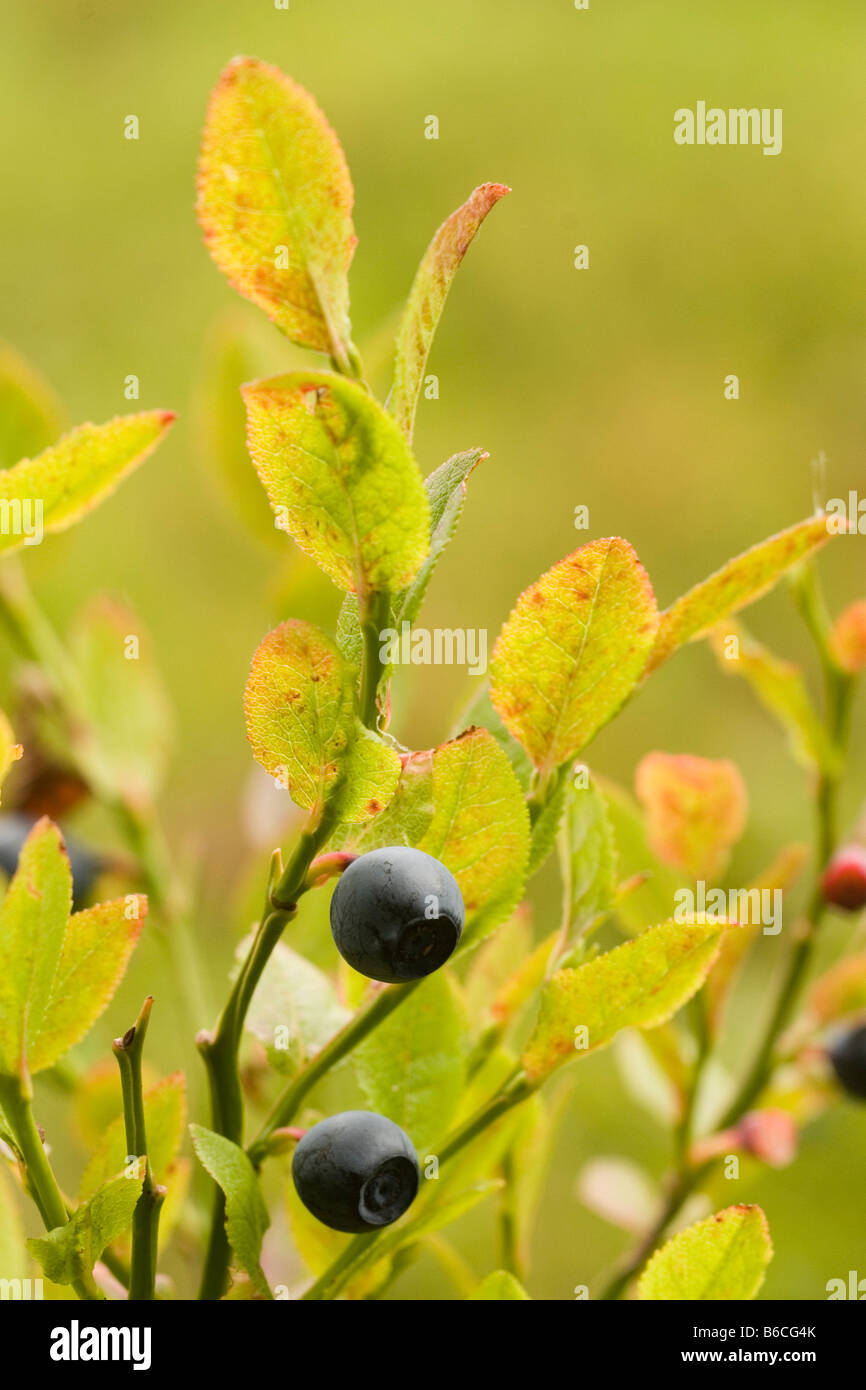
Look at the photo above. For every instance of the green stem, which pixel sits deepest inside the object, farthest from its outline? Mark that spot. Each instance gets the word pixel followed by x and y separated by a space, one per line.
pixel 373 613
pixel 683 1186
pixel 221 1050
pixel 145 1222
pixel 16 1102
pixel 333 1052
pixel 362 1251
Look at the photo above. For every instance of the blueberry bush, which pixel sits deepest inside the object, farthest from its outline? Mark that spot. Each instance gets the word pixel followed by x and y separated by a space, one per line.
pixel 460 1028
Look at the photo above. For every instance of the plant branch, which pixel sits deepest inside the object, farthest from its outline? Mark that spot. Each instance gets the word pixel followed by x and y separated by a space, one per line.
pixel 373 613
pixel 16 1102
pixel 145 1222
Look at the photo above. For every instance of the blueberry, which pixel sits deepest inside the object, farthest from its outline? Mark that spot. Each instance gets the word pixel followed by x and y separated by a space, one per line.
pixel 396 914
pixel 356 1171
pixel 14 829
pixel 848 1059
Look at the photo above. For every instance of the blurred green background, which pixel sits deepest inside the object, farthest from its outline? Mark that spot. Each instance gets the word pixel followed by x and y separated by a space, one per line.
pixel 601 387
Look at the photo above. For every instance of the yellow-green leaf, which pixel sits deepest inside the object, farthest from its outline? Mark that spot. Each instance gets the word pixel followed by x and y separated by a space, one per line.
pixel 840 992
pixel 164 1117
pixel 738 583
pixel 294 1010
pixel 480 828
pixel 780 687
pixel 125 739
pixel 33 920
pixel 588 861
pixel 499 1286
pixel 638 985
pixel 695 809
pixel 69 1252
pixel 97 945
pixel 275 204
pixel 52 490
pixel 722 1257
pixel 340 478
pixel 427 296
pixel 412 1068
pixel 573 649
pixel 303 729
pixel 30 414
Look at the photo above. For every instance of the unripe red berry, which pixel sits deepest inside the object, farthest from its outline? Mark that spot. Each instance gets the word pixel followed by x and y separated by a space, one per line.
pixel 844 880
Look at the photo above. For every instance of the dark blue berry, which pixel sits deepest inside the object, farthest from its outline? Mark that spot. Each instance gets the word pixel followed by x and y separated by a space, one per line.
pixel 356 1171
pixel 396 914
pixel 848 1059
pixel 14 829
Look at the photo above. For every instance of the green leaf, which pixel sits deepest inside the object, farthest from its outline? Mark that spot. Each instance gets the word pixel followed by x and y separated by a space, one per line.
pixel 723 1257
pixel 498 1286
pixel 480 711
pixel 780 687
pixel 340 478
pixel 412 1068
pixel 303 729
pixel 588 861
pixel 427 296
pixel 246 1214
pixel 572 650
pixel 231 358
pixel 640 984
pixel 125 743
pixel 655 898
pixel 30 414
pixel 294 1010
pixel 407 816
pixel 446 494
pixel 738 583
pixel 164 1117
pixel 319 1246
pixel 546 824
pixel 275 204
pixel 480 829
pixel 68 479
pixel 69 1252
pixel 695 808
pixel 495 962
pixel 33 920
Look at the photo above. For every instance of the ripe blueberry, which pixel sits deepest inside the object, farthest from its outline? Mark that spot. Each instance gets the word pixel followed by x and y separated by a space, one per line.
pixel 844 879
pixel 848 1059
pixel 356 1171
pixel 396 914
pixel 14 829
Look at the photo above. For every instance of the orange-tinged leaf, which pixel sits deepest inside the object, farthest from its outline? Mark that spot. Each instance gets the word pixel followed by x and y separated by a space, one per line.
pixel 722 1257
pixel 696 810
pixel 640 984
pixel 479 829
pixel 427 296
pixel 303 729
pixel 573 649
pixel 736 584
pixel 97 945
pixel 848 638
pixel 340 478
pixel 275 204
